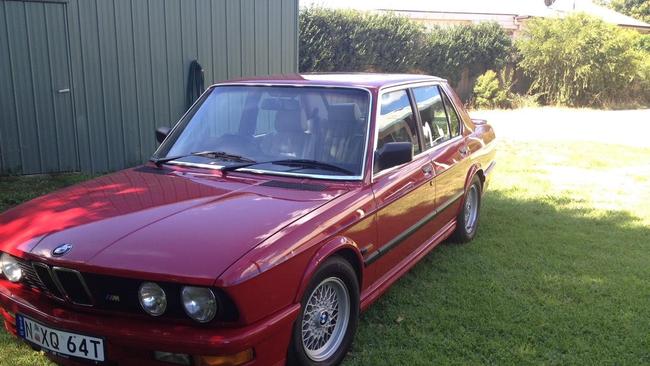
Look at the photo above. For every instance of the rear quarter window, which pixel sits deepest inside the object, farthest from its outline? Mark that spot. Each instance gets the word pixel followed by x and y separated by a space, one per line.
pixel 454 120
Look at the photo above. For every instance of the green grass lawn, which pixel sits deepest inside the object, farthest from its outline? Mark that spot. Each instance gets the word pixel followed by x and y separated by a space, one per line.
pixel 14 190
pixel 558 274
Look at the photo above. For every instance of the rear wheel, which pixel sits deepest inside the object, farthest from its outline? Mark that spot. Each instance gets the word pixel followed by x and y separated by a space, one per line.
pixel 328 320
pixel 468 217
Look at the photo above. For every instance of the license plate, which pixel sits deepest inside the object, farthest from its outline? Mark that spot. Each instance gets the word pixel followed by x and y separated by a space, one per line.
pixel 60 342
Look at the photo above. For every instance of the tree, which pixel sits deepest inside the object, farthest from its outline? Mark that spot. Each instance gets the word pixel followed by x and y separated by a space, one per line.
pixel 581 60
pixel 638 9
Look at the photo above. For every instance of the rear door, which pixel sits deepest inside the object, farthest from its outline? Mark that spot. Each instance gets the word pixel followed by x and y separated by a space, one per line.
pixel 405 195
pixel 449 159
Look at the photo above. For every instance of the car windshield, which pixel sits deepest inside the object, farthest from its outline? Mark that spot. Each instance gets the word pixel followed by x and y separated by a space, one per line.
pixel 279 129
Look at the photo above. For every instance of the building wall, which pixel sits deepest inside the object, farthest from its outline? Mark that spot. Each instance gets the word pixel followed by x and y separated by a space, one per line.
pixel 84 83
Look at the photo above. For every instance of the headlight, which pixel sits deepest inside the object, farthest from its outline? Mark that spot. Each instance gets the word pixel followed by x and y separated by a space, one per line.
pixel 10 268
pixel 153 299
pixel 200 303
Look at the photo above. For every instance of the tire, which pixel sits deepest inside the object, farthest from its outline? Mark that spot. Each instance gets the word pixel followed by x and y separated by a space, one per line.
pixel 468 218
pixel 334 277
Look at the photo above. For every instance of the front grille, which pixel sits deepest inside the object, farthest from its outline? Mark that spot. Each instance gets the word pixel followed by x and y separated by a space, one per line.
pixel 60 283
pixel 73 285
pixel 109 293
pixel 30 277
pixel 47 280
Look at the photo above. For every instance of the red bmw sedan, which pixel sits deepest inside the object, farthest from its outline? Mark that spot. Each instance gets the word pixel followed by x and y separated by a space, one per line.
pixel 271 214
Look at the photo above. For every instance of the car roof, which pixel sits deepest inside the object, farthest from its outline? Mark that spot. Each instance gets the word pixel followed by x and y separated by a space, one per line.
pixel 361 79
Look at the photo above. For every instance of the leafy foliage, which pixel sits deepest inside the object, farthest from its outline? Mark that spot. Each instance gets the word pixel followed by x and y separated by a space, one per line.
pixel 580 60
pixel 476 47
pixel 644 42
pixel 491 91
pixel 346 40
pixel 638 9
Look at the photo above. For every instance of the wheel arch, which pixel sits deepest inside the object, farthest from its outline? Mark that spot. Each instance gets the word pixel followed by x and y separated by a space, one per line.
pixel 475 170
pixel 340 246
pixel 481 176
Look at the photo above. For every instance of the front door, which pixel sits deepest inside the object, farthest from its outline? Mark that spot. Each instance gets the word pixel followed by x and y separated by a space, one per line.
pixel 37 129
pixel 404 195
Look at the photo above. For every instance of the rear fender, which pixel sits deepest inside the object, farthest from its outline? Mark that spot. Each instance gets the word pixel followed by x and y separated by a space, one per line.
pixel 474 169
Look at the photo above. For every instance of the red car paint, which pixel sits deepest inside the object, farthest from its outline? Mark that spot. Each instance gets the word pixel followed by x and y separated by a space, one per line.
pixel 259 244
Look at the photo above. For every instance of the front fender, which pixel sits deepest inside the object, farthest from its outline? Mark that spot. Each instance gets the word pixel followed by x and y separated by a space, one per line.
pixel 338 244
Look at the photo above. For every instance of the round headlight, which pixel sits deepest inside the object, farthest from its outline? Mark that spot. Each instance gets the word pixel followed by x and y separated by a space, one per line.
pixel 200 303
pixel 153 299
pixel 10 268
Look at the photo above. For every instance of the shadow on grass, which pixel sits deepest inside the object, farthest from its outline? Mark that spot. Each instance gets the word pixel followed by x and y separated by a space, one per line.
pixel 543 282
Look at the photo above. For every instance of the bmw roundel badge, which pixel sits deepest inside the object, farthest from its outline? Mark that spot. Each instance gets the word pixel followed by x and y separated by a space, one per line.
pixel 62 249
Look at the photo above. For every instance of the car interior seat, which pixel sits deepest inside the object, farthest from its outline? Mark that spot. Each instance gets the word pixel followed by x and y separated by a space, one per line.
pixel 343 135
pixel 289 139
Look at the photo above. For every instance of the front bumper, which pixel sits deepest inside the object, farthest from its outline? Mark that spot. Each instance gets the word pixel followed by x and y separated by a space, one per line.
pixel 131 340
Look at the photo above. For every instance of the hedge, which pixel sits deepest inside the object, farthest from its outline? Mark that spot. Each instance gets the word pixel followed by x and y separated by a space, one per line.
pixel 476 48
pixel 348 40
pixel 578 60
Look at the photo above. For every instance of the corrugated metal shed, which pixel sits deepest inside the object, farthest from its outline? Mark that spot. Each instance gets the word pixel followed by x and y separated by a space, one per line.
pixel 84 83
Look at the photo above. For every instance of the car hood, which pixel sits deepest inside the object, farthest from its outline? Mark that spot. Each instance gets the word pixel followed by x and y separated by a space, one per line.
pixel 177 223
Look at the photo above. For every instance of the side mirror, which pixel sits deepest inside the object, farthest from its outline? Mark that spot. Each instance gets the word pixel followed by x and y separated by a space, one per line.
pixel 161 133
pixel 393 154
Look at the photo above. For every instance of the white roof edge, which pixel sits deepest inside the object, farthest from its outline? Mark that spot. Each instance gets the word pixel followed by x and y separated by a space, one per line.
pixel 518 8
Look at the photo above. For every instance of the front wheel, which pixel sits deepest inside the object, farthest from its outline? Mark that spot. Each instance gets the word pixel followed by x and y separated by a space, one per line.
pixel 468 217
pixel 328 320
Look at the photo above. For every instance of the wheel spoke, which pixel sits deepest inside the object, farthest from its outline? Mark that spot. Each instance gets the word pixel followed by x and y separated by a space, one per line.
pixel 325 319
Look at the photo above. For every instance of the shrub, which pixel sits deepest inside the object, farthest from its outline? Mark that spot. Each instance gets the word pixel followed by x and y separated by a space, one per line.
pixel 580 60
pixel 643 42
pixel 492 91
pixel 524 101
pixel 486 90
pixel 476 48
pixel 347 40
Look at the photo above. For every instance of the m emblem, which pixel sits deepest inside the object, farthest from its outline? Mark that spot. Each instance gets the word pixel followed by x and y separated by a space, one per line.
pixel 62 249
pixel 112 298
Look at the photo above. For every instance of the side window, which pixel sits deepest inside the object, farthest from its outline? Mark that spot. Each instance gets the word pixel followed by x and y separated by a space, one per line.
pixel 396 122
pixel 454 120
pixel 435 126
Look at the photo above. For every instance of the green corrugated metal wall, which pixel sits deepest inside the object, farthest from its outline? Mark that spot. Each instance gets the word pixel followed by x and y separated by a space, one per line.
pixel 83 83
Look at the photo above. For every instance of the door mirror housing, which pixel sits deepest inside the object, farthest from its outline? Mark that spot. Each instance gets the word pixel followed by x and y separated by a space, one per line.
pixel 161 133
pixel 393 154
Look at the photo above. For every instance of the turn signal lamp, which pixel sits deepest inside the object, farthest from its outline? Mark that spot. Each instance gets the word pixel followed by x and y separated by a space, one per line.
pixel 228 360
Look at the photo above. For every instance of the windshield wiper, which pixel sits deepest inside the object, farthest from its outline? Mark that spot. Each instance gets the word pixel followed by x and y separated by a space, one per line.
pixel 294 162
pixel 217 155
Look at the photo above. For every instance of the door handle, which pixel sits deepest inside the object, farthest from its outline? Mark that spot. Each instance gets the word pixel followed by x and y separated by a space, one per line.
pixel 427 169
pixel 401 190
pixel 463 150
pixel 63 91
